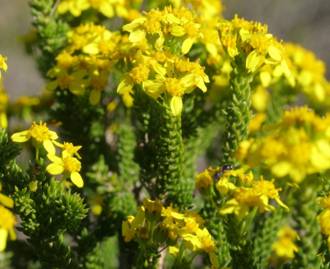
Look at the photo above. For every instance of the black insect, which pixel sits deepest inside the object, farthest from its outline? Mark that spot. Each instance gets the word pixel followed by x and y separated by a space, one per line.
pixel 224 168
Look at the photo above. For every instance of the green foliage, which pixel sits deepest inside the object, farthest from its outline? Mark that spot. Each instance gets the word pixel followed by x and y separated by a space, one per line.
pixel 266 233
pixel 307 225
pixel 51 32
pixel 237 114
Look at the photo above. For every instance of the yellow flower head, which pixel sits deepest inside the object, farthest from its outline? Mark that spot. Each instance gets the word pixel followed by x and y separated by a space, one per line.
pixel 7 220
pixel 284 247
pixel 158 27
pixel 309 72
pixel 259 48
pixel 186 228
pixel 85 64
pixel 246 193
pixel 164 74
pixel 7 223
pixel 68 149
pixel 204 180
pixel 40 134
pixel 297 146
pixel 108 8
pixel 66 164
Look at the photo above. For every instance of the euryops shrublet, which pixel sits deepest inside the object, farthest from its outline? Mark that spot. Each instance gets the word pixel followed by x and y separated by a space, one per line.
pixel 166 137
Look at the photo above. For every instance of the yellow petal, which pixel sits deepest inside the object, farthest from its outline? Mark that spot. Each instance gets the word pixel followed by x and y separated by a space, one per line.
pixel 53 135
pixel 252 61
pixel 54 159
pixel 21 137
pixel 76 179
pixel 186 45
pixel 152 88
pixel 107 10
pixel 6 201
pixel 177 30
pixel 275 53
pixel 134 24
pixel 176 105
pixel 124 87
pixel 49 146
pixel 137 36
pixel 3 239
pixel 265 78
pixel 55 169
pixel 3 121
pixel 91 49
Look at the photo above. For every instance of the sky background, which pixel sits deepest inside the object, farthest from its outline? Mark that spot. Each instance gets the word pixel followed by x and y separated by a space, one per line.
pixel 306 22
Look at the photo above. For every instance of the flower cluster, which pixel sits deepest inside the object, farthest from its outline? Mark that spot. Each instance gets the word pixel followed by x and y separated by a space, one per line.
pixel 295 147
pixel 164 75
pixel 241 191
pixel 170 27
pixel 180 231
pixel 309 72
pixel 262 52
pixel 7 220
pixel 67 163
pixel 120 8
pixel 284 247
pixel 85 64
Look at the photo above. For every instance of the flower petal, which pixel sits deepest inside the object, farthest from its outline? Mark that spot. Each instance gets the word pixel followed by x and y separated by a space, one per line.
pixel 49 146
pixel 55 169
pixel 21 137
pixel 3 239
pixel 77 179
pixel 6 201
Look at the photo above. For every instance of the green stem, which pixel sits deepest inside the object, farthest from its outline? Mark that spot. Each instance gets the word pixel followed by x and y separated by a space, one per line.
pixel 306 224
pixel 237 114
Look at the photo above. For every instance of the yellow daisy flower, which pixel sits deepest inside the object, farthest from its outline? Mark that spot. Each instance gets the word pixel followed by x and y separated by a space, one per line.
pixel 40 134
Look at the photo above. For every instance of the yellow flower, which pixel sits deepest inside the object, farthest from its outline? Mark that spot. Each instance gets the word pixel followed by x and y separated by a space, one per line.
pixel 257 194
pixel 160 25
pixel 284 247
pixel 85 64
pixel 297 146
pixel 7 223
pixel 204 180
pixel 66 164
pixel 309 72
pixel 261 51
pixel 206 240
pixel 7 220
pixel 224 186
pixel 68 149
pixel 40 134
pixel 164 74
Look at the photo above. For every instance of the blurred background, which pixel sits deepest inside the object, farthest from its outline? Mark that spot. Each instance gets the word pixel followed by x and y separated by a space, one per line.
pixel 306 22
